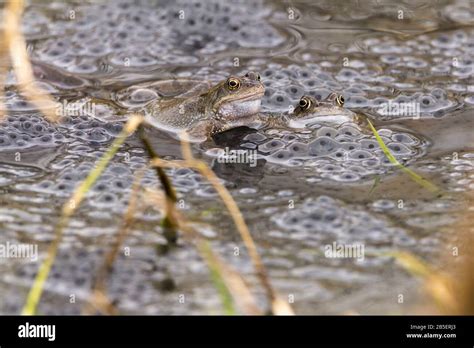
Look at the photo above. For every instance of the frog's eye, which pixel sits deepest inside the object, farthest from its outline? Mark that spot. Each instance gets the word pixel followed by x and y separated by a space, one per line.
pixel 304 103
pixel 340 100
pixel 258 77
pixel 233 83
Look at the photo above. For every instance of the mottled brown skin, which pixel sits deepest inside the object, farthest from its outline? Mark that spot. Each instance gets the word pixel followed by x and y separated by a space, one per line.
pixel 231 103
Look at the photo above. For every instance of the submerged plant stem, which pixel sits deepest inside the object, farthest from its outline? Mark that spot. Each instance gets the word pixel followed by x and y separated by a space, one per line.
pixel 169 223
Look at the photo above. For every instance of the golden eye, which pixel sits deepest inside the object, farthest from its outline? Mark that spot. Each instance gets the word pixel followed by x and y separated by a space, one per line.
pixel 233 84
pixel 340 100
pixel 304 103
pixel 258 77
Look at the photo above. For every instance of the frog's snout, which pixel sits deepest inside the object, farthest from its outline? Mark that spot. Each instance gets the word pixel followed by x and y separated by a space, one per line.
pixel 252 75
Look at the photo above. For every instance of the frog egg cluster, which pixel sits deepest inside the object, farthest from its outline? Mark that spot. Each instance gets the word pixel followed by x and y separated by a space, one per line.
pixel 25 128
pixel 187 180
pixel 342 153
pixel 113 187
pixel 285 85
pixel 132 283
pixel 170 33
pixel 96 109
pixel 232 23
pixel 457 172
pixel 324 220
pixel 91 130
pixel 110 191
pixel 434 103
pixel 393 94
pixel 443 54
pixel 21 132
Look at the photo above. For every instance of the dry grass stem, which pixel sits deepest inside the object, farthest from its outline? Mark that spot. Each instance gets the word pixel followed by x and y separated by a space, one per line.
pixel 16 45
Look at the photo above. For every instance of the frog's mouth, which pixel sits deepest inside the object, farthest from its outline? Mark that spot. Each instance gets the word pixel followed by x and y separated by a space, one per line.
pixel 242 107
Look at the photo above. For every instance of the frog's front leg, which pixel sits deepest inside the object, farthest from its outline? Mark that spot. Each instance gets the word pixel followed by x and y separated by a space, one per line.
pixel 202 130
pixel 274 121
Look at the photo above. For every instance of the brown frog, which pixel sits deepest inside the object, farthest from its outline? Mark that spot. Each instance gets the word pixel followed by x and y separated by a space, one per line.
pixel 230 103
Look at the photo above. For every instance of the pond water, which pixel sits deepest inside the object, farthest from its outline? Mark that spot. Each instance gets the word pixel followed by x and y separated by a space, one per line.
pixel 309 188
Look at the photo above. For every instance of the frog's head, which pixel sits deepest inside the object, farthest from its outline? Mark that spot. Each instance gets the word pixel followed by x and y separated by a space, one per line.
pixel 237 97
pixel 309 106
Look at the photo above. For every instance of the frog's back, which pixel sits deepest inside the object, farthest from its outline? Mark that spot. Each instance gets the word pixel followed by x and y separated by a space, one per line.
pixel 139 95
pixel 182 88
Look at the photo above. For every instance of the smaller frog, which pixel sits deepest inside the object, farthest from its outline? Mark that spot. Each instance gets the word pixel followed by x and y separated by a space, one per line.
pixel 329 111
pixel 231 103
